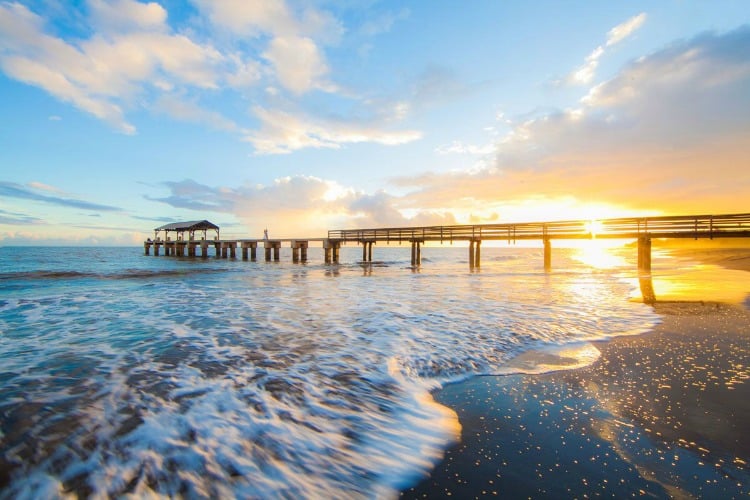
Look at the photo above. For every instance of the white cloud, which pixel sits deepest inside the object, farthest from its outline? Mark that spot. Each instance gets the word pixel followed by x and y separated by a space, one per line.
pixel 255 18
pixel 298 63
pixel 585 74
pixel 250 18
pixel 300 206
pixel 283 132
pixel 103 73
pixel 60 86
pixel 458 147
pixel 130 59
pixel 624 30
pixel 127 15
pixel 670 131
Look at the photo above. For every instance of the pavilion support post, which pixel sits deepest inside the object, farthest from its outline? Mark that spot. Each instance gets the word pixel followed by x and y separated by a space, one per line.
pixel 644 254
pixel 547 254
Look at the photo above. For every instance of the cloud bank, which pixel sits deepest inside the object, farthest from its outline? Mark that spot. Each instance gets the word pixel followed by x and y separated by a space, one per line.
pixel 670 129
pixel 132 58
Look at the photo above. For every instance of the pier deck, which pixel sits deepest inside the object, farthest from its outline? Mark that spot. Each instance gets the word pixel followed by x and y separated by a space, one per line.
pixel 643 229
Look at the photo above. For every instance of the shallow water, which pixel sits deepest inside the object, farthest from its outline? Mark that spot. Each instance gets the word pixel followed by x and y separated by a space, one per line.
pixel 123 373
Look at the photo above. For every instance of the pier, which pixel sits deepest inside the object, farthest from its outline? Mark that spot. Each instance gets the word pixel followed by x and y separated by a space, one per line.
pixel 192 238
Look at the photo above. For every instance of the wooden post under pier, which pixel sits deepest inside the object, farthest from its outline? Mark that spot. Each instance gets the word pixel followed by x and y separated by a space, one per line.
pixel 367 250
pixel 252 246
pixel 331 250
pixel 272 246
pixel 475 253
pixel 644 254
pixel 416 253
pixel 299 249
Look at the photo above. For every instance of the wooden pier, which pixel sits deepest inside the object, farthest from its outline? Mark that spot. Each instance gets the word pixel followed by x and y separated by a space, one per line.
pixel 191 238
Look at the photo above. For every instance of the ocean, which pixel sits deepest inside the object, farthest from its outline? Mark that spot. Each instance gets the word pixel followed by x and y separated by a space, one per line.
pixel 129 374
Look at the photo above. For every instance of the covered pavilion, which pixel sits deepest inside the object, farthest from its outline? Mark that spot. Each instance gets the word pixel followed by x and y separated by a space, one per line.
pixel 190 227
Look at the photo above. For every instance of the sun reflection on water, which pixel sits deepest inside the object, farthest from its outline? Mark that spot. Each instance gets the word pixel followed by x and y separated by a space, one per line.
pixel 599 254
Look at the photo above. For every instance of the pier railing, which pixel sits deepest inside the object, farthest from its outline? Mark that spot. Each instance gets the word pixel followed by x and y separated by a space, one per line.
pixel 691 226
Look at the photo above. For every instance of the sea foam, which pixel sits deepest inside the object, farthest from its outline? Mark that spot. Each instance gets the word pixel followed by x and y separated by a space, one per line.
pixel 227 378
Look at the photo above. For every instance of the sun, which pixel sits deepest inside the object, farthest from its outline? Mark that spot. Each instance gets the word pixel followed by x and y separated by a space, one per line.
pixel 594 227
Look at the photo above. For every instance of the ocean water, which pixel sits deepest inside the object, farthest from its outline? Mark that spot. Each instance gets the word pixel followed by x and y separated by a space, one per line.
pixel 126 374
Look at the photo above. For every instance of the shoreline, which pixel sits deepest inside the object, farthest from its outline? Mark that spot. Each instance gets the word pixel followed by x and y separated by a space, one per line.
pixel 663 413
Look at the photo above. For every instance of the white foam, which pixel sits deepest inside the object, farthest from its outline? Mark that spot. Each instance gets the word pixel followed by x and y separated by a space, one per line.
pixel 282 380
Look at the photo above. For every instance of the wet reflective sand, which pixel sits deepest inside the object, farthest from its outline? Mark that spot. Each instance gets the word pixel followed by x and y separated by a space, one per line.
pixel 662 414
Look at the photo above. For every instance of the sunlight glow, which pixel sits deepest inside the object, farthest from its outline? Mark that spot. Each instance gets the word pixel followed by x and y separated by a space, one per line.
pixel 594 227
pixel 599 254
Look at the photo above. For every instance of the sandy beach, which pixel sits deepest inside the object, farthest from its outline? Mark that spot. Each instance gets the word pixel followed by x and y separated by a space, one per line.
pixel 663 414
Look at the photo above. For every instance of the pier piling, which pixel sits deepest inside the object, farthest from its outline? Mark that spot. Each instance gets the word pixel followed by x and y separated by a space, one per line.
pixel 416 253
pixel 367 250
pixel 299 250
pixel 331 249
pixel 644 254
pixel 252 246
pixel 475 253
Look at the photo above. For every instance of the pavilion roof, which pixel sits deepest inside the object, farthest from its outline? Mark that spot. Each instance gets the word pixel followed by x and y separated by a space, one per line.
pixel 194 225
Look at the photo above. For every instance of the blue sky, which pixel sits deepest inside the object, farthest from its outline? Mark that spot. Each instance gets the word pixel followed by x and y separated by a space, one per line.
pixel 118 115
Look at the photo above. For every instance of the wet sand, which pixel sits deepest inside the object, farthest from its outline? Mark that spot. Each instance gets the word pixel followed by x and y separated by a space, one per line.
pixel 664 414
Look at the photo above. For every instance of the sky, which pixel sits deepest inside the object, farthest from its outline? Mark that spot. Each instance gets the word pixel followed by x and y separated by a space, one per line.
pixel 118 116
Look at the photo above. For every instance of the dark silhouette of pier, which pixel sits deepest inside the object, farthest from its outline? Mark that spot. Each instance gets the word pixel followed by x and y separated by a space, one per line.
pixel 642 229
